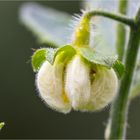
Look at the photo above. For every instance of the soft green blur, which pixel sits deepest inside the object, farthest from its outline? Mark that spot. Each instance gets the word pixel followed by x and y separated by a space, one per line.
pixel 21 109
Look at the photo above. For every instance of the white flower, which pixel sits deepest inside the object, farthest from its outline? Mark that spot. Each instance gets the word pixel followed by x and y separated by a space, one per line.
pixel 89 87
pixel 78 85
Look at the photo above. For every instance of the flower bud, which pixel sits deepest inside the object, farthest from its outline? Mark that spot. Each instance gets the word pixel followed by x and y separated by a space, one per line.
pixel 50 83
pixel 89 87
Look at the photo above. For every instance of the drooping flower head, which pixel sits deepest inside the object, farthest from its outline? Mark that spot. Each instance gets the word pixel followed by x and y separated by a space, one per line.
pixel 76 76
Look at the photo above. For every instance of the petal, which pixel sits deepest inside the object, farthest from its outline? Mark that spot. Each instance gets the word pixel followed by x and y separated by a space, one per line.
pixel 103 88
pixel 77 83
pixel 50 84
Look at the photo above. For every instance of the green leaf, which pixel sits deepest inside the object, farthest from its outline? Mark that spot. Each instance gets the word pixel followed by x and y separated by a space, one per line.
pixel 104 60
pixel 38 58
pixel 119 68
pixel 50 26
pixel 2 125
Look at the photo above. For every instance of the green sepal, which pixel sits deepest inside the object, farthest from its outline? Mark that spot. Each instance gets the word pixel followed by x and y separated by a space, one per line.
pixel 68 52
pixel 50 54
pixel 103 60
pixel 38 58
pixel 118 68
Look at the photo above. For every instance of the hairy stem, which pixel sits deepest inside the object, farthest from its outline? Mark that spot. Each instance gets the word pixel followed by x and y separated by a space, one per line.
pixel 121 31
pixel 118 17
pixel 82 31
pixel 119 110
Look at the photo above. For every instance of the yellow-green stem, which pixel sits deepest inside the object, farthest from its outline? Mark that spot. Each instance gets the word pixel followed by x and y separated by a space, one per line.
pixel 82 31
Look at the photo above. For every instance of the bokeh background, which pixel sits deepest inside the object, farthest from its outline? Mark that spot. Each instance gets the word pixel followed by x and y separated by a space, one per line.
pixel 23 112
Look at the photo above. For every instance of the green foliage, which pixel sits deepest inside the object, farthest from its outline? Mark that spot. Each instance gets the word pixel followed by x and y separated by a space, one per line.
pixel 104 60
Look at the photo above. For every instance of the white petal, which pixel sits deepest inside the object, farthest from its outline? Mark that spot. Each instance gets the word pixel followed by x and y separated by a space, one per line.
pixel 50 84
pixel 103 88
pixel 77 83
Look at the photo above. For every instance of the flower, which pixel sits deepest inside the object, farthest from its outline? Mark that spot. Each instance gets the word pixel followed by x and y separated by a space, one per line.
pixel 76 84
pixel 75 76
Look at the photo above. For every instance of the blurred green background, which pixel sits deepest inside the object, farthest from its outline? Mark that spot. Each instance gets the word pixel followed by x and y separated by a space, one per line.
pixel 23 112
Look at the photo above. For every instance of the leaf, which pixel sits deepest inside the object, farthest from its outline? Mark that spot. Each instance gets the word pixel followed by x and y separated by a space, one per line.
pixel 104 60
pixel 2 125
pixel 38 58
pixel 49 25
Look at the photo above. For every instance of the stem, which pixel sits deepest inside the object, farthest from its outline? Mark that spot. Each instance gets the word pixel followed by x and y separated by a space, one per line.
pixel 118 17
pixel 119 110
pixel 82 31
pixel 121 31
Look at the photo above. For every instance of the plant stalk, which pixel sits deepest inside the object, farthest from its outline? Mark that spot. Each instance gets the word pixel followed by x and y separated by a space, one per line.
pixel 119 110
pixel 82 34
pixel 118 17
pixel 121 31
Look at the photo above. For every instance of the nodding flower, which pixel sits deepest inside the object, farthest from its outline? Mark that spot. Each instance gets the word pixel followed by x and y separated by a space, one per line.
pixel 76 83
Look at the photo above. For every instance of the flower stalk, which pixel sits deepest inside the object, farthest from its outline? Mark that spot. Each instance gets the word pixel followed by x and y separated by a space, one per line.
pixel 119 110
pixel 113 16
pixel 82 32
